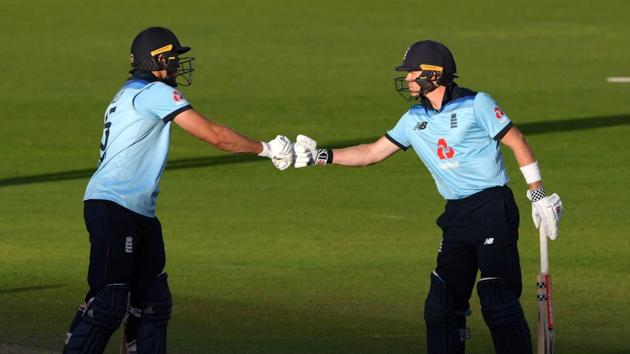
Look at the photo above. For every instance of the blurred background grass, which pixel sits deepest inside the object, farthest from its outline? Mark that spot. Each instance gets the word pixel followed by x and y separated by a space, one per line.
pixel 331 260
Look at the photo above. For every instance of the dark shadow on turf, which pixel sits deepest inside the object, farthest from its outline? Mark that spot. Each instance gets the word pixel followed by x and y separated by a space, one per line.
pixel 29 288
pixel 555 126
pixel 86 173
pixel 545 127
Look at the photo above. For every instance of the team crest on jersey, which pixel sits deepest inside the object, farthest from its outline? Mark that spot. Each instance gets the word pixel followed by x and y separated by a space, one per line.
pixel 453 120
pixel 177 97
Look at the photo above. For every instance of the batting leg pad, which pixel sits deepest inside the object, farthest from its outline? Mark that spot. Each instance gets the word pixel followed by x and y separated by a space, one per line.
pixel 91 330
pixel 155 313
pixel 446 327
pixel 504 316
pixel 78 317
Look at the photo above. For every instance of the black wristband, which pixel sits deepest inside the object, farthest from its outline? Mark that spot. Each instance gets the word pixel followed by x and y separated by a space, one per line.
pixel 324 157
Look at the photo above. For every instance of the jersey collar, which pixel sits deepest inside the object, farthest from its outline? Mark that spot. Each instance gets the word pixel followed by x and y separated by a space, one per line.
pixel 140 75
pixel 451 93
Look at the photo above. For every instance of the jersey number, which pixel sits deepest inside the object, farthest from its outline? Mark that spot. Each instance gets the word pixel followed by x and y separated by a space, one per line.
pixel 106 133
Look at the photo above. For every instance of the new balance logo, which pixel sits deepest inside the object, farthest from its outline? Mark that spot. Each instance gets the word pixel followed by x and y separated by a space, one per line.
pixel 129 244
pixel 489 241
pixel 420 126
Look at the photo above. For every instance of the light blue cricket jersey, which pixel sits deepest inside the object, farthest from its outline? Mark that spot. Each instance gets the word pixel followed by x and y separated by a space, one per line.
pixel 135 144
pixel 458 144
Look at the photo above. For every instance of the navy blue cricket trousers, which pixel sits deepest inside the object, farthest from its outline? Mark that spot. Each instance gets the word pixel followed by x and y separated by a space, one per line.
pixel 480 233
pixel 125 247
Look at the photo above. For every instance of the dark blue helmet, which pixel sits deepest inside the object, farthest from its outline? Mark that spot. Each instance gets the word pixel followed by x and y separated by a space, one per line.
pixel 157 48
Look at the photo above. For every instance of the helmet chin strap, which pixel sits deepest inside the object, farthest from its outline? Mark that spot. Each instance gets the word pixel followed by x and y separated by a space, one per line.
pixel 428 83
pixel 171 70
pixel 427 86
pixel 170 80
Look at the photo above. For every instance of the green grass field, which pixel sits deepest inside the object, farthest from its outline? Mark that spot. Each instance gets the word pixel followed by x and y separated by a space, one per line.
pixel 319 260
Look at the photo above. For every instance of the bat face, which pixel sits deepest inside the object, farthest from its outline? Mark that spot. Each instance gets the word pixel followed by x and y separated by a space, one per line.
pixel 546 338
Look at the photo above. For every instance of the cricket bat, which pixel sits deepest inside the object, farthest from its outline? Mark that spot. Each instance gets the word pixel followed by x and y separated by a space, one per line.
pixel 123 342
pixel 546 335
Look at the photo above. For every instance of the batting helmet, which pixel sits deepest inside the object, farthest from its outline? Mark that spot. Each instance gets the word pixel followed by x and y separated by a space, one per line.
pixel 157 48
pixel 435 61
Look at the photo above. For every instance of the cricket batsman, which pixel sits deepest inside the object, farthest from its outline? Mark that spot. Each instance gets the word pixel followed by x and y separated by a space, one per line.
pixel 456 134
pixel 127 258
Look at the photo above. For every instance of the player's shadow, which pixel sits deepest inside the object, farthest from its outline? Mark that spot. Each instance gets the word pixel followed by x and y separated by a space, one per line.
pixel 546 127
pixel 22 289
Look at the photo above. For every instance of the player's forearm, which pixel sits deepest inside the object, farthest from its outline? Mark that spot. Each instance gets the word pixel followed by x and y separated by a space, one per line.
pixel 307 153
pixel 223 137
pixel 365 154
pixel 227 139
pixel 524 156
pixel 358 155
pixel 525 159
pixel 523 153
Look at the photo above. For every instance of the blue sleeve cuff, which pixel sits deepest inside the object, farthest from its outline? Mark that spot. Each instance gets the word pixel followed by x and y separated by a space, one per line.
pixel 395 142
pixel 503 131
pixel 174 114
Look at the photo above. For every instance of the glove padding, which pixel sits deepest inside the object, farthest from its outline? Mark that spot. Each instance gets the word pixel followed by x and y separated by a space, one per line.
pixel 546 213
pixel 305 150
pixel 307 154
pixel 280 151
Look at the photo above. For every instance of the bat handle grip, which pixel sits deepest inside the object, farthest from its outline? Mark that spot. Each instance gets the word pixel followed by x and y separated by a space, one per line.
pixel 544 254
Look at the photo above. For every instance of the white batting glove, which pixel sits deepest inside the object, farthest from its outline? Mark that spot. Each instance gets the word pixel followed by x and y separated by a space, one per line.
pixel 280 151
pixel 546 211
pixel 307 154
